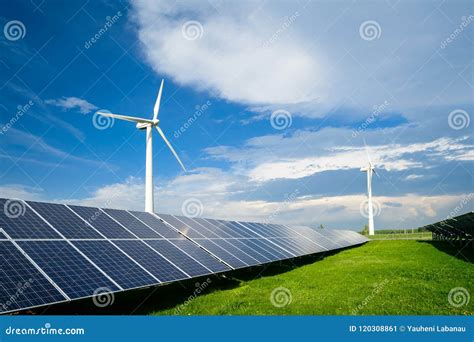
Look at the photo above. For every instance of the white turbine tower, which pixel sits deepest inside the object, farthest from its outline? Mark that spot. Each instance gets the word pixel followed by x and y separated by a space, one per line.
pixel 370 169
pixel 148 125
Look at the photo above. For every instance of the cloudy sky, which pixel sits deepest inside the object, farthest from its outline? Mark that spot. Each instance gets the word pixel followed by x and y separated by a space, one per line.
pixel 267 102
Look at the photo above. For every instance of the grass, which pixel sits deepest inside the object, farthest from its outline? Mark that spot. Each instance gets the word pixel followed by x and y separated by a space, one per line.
pixel 382 277
pixel 379 278
pixel 401 236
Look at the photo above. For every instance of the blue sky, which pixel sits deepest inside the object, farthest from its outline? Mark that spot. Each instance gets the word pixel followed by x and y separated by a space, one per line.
pixel 397 74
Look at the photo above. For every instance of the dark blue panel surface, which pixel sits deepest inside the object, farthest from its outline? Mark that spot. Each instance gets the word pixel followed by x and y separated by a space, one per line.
pixel 178 257
pixel 116 264
pixel 21 284
pixel 132 223
pixel 188 227
pixel 223 254
pixel 151 261
pixel 20 222
pixel 231 246
pixel 73 273
pixel 157 225
pixel 199 254
pixel 220 230
pixel 102 222
pixel 65 221
pixel 249 248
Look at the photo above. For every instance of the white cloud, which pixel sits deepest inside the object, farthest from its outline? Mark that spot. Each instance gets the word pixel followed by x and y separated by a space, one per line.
pixel 413 177
pixel 252 53
pixel 286 157
pixel 228 59
pixel 67 103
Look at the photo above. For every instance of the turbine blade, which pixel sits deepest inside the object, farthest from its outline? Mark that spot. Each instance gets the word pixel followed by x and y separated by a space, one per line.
pixel 171 147
pixel 156 109
pixel 124 117
pixel 376 173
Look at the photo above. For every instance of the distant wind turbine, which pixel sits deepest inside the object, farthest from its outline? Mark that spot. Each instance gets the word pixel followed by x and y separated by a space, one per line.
pixel 370 169
pixel 148 125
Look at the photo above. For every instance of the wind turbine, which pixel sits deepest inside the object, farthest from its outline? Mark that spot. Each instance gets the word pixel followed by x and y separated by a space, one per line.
pixel 370 169
pixel 147 124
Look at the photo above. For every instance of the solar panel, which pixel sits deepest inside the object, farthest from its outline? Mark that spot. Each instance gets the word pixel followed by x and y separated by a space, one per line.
pixel 178 257
pixel 132 223
pixel 71 271
pixel 24 223
pixel 157 225
pixel 102 222
pixel 72 252
pixel 182 227
pixel 121 268
pixel 149 259
pixel 22 285
pixel 205 258
pixel 65 221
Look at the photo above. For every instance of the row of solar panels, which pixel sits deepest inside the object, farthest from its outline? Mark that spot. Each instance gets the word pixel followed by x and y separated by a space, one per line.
pixel 456 228
pixel 54 252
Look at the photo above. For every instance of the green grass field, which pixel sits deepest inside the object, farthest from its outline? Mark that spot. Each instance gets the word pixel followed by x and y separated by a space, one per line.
pixel 402 236
pixel 394 277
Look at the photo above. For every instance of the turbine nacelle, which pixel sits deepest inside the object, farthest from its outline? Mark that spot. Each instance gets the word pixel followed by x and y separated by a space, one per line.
pixel 142 124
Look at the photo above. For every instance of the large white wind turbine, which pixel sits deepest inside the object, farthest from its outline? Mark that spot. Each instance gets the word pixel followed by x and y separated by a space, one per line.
pixel 148 125
pixel 370 169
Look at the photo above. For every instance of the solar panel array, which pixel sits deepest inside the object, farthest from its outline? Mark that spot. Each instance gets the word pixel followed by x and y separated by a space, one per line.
pixel 459 228
pixel 52 253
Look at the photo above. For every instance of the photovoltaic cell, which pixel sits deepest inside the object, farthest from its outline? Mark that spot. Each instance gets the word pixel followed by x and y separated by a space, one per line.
pixel 182 227
pixel 65 221
pixel 21 284
pixel 178 257
pixel 258 254
pixel 116 264
pixel 102 222
pixel 230 257
pixel 231 246
pixel 132 223
pixel 157 225
pixel 200 254
pixel 73 273
pixel 151 261
pixel 24 224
